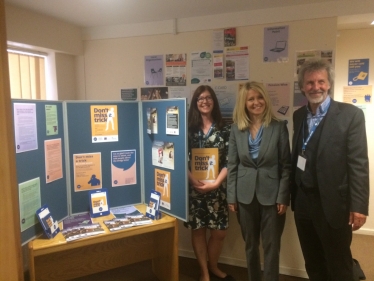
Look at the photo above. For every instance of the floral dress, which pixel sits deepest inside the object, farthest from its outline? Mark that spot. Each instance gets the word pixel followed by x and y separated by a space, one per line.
pixel 210 209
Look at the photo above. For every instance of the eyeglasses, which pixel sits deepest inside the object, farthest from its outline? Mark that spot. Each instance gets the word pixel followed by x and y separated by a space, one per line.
pixel 207 99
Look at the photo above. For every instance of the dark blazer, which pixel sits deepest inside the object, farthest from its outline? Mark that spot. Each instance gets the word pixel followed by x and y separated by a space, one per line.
pixel 342 163
pixel 269 178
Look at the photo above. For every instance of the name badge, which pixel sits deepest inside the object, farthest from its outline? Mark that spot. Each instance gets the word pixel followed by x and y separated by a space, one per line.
pixel 301 162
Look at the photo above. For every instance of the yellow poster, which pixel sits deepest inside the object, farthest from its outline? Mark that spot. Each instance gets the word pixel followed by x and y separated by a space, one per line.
pixel 87 171
pixel 162 185
pixel 357 94
pixel 205 164
pixel 53 160
pixel 104 123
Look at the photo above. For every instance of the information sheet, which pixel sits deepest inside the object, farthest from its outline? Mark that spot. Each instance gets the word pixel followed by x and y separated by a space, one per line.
pixel 29 202
pixel 53 160
pixel 123 167
pixel 25 129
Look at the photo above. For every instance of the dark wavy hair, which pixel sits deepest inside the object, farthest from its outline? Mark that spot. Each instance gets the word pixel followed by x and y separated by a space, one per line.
pixel 194 117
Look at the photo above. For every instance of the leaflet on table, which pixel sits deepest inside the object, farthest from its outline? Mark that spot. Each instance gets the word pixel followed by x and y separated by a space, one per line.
pixel 99 203
pixel 82 219
pixel 124 223
pixel 124 211
pixel 80 232
pixel 118 224
pixel 153 207
pixel 204 164
pixel 50 226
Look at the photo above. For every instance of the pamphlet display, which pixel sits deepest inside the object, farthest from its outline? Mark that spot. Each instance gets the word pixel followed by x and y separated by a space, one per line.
pixel 153 208
pixel 99 204
pixel 75 132
pixel 50 226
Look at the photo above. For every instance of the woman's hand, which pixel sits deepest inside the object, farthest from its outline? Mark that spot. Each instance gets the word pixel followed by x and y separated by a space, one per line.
pixel 233 207
pixel 281 209
pixel 205 187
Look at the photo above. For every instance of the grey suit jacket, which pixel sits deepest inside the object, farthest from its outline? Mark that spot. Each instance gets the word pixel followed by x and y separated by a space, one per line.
pixel 342 163
pixel 269 178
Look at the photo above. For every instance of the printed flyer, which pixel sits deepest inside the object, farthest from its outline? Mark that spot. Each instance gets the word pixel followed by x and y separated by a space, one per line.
pixel 51 120
pixel 163 154
pixel 53 160
pixel 87 171
pixel 104 123
pixel 162 184
pixel 123 167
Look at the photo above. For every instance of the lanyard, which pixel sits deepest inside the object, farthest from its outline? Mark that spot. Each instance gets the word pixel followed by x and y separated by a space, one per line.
pixel 314 127
pixel 201 133
pixel 312 130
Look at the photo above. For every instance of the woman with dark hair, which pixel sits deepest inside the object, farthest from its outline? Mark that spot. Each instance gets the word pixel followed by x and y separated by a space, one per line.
pixel 207 198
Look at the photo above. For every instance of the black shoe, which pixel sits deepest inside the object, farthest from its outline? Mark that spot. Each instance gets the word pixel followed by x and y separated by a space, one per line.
pixel 226 278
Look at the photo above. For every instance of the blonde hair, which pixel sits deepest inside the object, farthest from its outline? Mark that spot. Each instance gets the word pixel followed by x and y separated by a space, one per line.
pixel 240 115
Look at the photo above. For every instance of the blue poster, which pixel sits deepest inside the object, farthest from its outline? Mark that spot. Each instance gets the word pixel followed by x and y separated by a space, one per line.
pixel 358 72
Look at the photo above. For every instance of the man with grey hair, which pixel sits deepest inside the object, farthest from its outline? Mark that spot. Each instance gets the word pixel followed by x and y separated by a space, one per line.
pixel 330 175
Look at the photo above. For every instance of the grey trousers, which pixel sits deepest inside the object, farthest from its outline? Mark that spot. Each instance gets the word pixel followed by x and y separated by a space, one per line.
pixel 257 220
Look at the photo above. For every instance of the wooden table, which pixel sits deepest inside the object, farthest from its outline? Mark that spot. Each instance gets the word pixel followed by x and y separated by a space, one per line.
pixel 56 259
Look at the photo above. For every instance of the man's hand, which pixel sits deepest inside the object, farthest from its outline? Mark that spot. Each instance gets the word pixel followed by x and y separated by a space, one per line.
pixel 356 220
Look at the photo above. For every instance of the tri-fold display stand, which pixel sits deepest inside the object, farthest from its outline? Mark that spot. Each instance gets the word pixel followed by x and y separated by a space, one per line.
pixel 149 143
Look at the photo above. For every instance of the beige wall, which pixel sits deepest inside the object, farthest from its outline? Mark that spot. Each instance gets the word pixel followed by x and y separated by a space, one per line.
pixel 112 64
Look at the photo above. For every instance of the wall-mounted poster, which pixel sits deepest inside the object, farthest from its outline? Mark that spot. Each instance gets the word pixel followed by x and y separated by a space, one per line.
pixel 104 123
pixel 153 70
pixel 358 72
pixel 276 44
pixel 201 67
pixel 176 70
pixel 230 37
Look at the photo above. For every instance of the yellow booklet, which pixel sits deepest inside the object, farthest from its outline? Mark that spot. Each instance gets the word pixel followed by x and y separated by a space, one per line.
pixel 205 164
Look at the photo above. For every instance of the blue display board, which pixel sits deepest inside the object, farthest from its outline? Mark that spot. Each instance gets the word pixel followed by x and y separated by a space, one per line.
pixel 31 165
pixel 80 142
pixel 75 131
pixel 178 193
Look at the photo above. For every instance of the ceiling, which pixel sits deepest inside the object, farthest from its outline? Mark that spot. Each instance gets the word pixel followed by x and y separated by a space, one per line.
pixel 97 13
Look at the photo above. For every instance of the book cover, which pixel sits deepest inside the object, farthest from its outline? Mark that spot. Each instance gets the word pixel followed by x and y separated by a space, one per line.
pixel 205 164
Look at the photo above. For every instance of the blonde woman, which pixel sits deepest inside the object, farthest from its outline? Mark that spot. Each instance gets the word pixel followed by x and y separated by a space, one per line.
pixel 258 178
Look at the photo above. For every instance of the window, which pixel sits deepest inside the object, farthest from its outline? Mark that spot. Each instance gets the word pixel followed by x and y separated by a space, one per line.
pixel 27 75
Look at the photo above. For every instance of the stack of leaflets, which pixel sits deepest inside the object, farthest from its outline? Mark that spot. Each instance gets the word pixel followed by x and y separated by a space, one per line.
pixel 129 221
pixel 80 226
pixel 79 232
pixel 124 211
pixel 118 224
pixel 140 220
